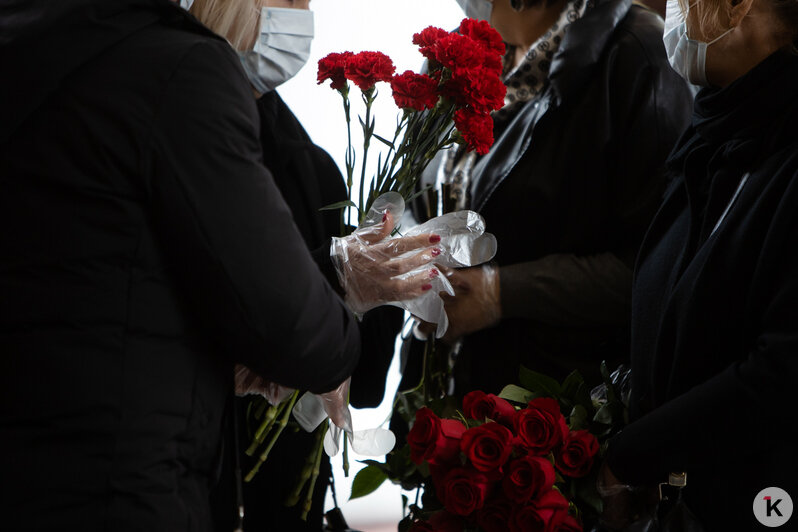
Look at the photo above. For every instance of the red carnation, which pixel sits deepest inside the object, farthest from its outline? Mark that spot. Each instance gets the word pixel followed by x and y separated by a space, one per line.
pixel 426 39
pixel 463 490
pixel 434 439
pixel 540 426
pixel 495 515
pixel 480 405
pixel 479 89
pixel 481 31
pixel 414 91
pixel 487 446
pixel 332 67
pixel 476 129
pixel 546 514
pixel 577 454
pixel 528 478
pixel 367 68
pixel 458 52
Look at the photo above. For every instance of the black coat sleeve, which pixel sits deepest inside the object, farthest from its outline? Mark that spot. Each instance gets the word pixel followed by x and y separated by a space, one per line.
pixel 743 409
pixel 231 237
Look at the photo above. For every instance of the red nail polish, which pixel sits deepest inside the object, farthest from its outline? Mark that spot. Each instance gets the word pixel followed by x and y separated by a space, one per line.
pixel 435 252
pixel 435 238
pixel 384 217
pixel 433 273
pixel 426 287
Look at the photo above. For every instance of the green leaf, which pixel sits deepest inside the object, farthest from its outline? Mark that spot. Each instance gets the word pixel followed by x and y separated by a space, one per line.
pixel 339 205
pixel 384 141
pixel 418 193
pixel 516 394
pixel 539 383
pixel 571 385
pixel 366 481
pixel 578 419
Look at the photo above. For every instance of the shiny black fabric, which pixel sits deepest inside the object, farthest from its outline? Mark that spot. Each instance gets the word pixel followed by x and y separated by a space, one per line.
pixel 715 310
pixel 145 250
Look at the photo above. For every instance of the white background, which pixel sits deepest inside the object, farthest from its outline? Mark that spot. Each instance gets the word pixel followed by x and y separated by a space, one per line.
pixel 356 25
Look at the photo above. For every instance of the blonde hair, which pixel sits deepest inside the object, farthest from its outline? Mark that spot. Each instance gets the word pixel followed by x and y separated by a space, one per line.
pixel 235 20
pixel 710 14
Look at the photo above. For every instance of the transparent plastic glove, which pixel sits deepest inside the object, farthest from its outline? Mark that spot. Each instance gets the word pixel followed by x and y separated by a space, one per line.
pixel 374 269
pixel 370 442
pixel 248 382
pixel 474 306
pixel 311 409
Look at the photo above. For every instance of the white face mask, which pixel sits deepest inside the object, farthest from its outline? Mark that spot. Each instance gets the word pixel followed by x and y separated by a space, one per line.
pixel 687 56
pixel 478 9
pixel 282 48
pixel 186 4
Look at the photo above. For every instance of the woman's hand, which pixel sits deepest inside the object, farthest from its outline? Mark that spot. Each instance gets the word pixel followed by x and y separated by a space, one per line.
pixel 373 269
pixel 475 305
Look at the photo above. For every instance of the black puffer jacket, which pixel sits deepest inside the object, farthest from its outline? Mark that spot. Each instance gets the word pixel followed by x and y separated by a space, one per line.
pixel 145 249
pixel 568 189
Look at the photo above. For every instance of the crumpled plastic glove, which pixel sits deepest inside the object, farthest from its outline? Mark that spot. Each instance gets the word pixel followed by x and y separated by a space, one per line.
pixel 311 410
pixel 376 269
pixel 247 382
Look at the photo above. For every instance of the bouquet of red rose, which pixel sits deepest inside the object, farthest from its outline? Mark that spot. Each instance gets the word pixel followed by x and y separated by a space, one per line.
pixel 524 460
pixel 449 104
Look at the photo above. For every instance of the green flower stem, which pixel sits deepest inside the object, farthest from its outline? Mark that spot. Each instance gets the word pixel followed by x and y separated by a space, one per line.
pixel 368 99
pixel 315 475
pixel 346 456
pixel 310 465
pixel 350 159
pixel 275 435
pixel 271 415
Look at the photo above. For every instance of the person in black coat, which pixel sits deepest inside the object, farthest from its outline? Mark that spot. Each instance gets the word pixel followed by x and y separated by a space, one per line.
pixel 145 250
pixel 715 303
pixel 568 188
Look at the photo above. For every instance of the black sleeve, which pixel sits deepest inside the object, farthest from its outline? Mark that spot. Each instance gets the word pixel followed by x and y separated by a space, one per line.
pixel 745 407
pixel 231 237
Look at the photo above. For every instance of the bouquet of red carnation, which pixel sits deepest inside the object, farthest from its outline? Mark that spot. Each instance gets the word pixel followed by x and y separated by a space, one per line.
pixel 524 460
pixel 449 104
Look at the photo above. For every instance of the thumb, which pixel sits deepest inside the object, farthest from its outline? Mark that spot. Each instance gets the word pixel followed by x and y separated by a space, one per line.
pixel 379 231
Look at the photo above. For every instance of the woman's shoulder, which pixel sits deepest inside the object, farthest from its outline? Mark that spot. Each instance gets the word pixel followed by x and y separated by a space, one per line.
pixel 640 32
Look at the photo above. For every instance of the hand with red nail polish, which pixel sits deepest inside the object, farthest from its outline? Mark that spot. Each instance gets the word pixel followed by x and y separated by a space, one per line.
pixel 374 269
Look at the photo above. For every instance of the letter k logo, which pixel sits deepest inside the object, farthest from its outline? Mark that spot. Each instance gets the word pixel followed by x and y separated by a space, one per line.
pixel 772 506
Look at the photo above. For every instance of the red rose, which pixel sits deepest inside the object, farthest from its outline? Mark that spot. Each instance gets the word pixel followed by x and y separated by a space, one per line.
pixel 332 67
pixel 480 406
pixel 434 439
pixel 476 129
pixel 463 490
pixel 487 446
pixel 367 68
pixel 481 31
pixel 577 454
pixel 570 524
pixel 540 426
pixel 528 478
pixel 545 514
pixel 415 91
pixel 495 515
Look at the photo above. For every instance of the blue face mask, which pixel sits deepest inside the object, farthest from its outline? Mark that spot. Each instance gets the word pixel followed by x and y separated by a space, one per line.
pixel 478 9
pixel 687 56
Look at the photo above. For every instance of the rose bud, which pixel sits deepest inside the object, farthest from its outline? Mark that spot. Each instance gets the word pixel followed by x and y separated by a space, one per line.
pixel 577 454
pixel 528 478
pixel 463 490
pixel 540 426
pixel 480 406
pixel 487 446
pixel 434 439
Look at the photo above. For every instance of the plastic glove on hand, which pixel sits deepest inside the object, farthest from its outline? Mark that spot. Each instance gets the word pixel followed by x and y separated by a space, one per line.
pixel 247 382
pixel 374 269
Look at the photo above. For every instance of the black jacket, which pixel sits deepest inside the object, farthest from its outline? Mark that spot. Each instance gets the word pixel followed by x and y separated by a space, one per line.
pixel 715 321
pixel 145 249
pixel 568 189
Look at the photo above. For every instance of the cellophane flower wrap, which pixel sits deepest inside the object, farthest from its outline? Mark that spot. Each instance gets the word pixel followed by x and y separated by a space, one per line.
pixel 450 103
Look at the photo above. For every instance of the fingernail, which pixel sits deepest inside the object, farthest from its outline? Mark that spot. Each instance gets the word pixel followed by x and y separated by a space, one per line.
pixel 384 217
pixel 433 273
pixel 435 252
pixel 426 287
pixel 435 238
